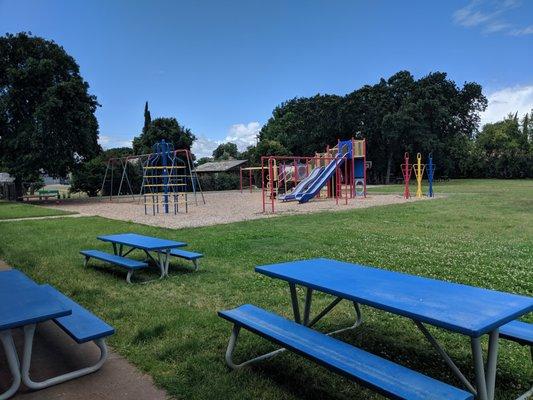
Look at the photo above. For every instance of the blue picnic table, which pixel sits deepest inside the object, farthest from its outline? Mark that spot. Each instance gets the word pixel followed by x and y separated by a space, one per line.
pixel 161 247
pixel 466 310
pixel 24 304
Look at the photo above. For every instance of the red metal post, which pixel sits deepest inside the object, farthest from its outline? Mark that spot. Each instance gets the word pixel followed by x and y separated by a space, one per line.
pixel 263 182
pixel 346 182
pixel 406 171
pixel 364 167
pixel 271 178
pixel 240 178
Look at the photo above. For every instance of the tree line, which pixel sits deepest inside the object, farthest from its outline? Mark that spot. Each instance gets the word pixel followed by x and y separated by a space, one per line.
pixel 48 124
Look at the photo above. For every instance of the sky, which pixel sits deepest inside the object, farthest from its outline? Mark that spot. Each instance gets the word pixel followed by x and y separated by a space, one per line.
pixel 220 67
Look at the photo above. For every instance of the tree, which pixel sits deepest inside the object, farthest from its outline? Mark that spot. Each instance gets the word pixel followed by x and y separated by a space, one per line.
pixel 304 125
pixel 506 153
pixel 89 177
pixel 226 151
pixel 203 160
pixel 395 115
pixel 147 117
pixel 267 148
pixel 47 121
pixel 167 129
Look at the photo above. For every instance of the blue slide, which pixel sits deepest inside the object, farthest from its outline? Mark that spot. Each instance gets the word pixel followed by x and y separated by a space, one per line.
pixel 303 185
pixel 321 180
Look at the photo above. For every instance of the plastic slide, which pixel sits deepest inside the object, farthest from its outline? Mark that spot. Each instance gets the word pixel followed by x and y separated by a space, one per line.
pixel 318 183
pixel 304 184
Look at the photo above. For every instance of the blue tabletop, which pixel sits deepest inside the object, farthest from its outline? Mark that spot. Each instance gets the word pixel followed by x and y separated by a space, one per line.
pixel 141 241
pixel 460 308
pixel 23 302
pixel 14 278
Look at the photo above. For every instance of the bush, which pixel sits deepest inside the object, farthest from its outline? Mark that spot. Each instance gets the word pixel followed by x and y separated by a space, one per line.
pixel 219 181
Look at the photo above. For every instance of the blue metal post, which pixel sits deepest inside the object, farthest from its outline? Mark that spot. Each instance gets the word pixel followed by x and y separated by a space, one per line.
pixel 431 171
pixel 164 158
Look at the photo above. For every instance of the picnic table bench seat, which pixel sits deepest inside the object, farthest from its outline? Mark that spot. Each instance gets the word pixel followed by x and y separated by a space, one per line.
pixel 518 331
pixel 128 263
pixel 521 333
pixel 374 372
pixel 81 325
pixel 187 255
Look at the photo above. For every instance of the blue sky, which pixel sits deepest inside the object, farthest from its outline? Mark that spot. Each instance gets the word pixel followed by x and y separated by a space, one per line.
pixel 220 67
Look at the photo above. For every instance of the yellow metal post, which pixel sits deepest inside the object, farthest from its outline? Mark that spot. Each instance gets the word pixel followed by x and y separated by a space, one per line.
pixel 419 174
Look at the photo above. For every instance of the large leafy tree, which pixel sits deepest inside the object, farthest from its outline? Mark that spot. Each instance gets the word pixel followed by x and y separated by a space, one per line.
pixel 47 121
pixel 90 176
pixel 506 150
pixel 225 151
pixel 398 114
pixel 167 129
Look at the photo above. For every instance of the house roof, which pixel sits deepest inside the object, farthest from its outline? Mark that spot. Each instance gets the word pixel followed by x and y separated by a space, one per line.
pixel 220 166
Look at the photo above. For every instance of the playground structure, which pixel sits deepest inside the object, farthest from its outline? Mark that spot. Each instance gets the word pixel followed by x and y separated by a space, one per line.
pixel 338 173
pixel 251 178
pixel 418 169
pixel 167 177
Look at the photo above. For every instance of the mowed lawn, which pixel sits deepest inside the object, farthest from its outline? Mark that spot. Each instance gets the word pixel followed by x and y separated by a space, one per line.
pixel 480 234
pixel 12 210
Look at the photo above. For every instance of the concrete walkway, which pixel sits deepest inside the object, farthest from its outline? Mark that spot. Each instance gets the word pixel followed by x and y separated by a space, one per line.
pixel 45 217
pixel 56 353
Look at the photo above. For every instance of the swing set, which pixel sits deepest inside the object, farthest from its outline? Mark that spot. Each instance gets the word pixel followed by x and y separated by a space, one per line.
pixel 167 177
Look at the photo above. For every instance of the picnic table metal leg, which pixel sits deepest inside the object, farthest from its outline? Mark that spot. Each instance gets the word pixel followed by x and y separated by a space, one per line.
pixel 307 306
pixel 477 354
pixel 29 332
pixel 128 252
pixel 13 362
pixel 166 260
pixel 485 381
pixel 322 314
pixel 115 252
pixel 457 372
pixel 295 305
pixel 120 247
pixel 231 348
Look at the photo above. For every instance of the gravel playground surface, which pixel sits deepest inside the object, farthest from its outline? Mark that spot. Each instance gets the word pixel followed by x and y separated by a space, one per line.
pixel 220 208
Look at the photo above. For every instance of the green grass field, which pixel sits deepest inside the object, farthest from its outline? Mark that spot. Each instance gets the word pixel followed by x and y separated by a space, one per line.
pixel 12 210
pixel 480 234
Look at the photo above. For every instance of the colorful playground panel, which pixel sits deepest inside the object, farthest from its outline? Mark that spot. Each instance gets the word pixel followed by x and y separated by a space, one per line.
pixel 463 309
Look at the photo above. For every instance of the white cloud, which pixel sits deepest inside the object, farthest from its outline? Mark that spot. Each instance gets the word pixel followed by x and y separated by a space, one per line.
pixel 243 135
pixel 508 100
pixel 109 142
pixel 489 17
pixel 203 146
pixel 528 30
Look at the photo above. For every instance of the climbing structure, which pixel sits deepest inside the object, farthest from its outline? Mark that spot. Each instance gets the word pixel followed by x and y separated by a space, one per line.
pixel 167 178
pixel 338 173
pixel 419 174
pixel 406 172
